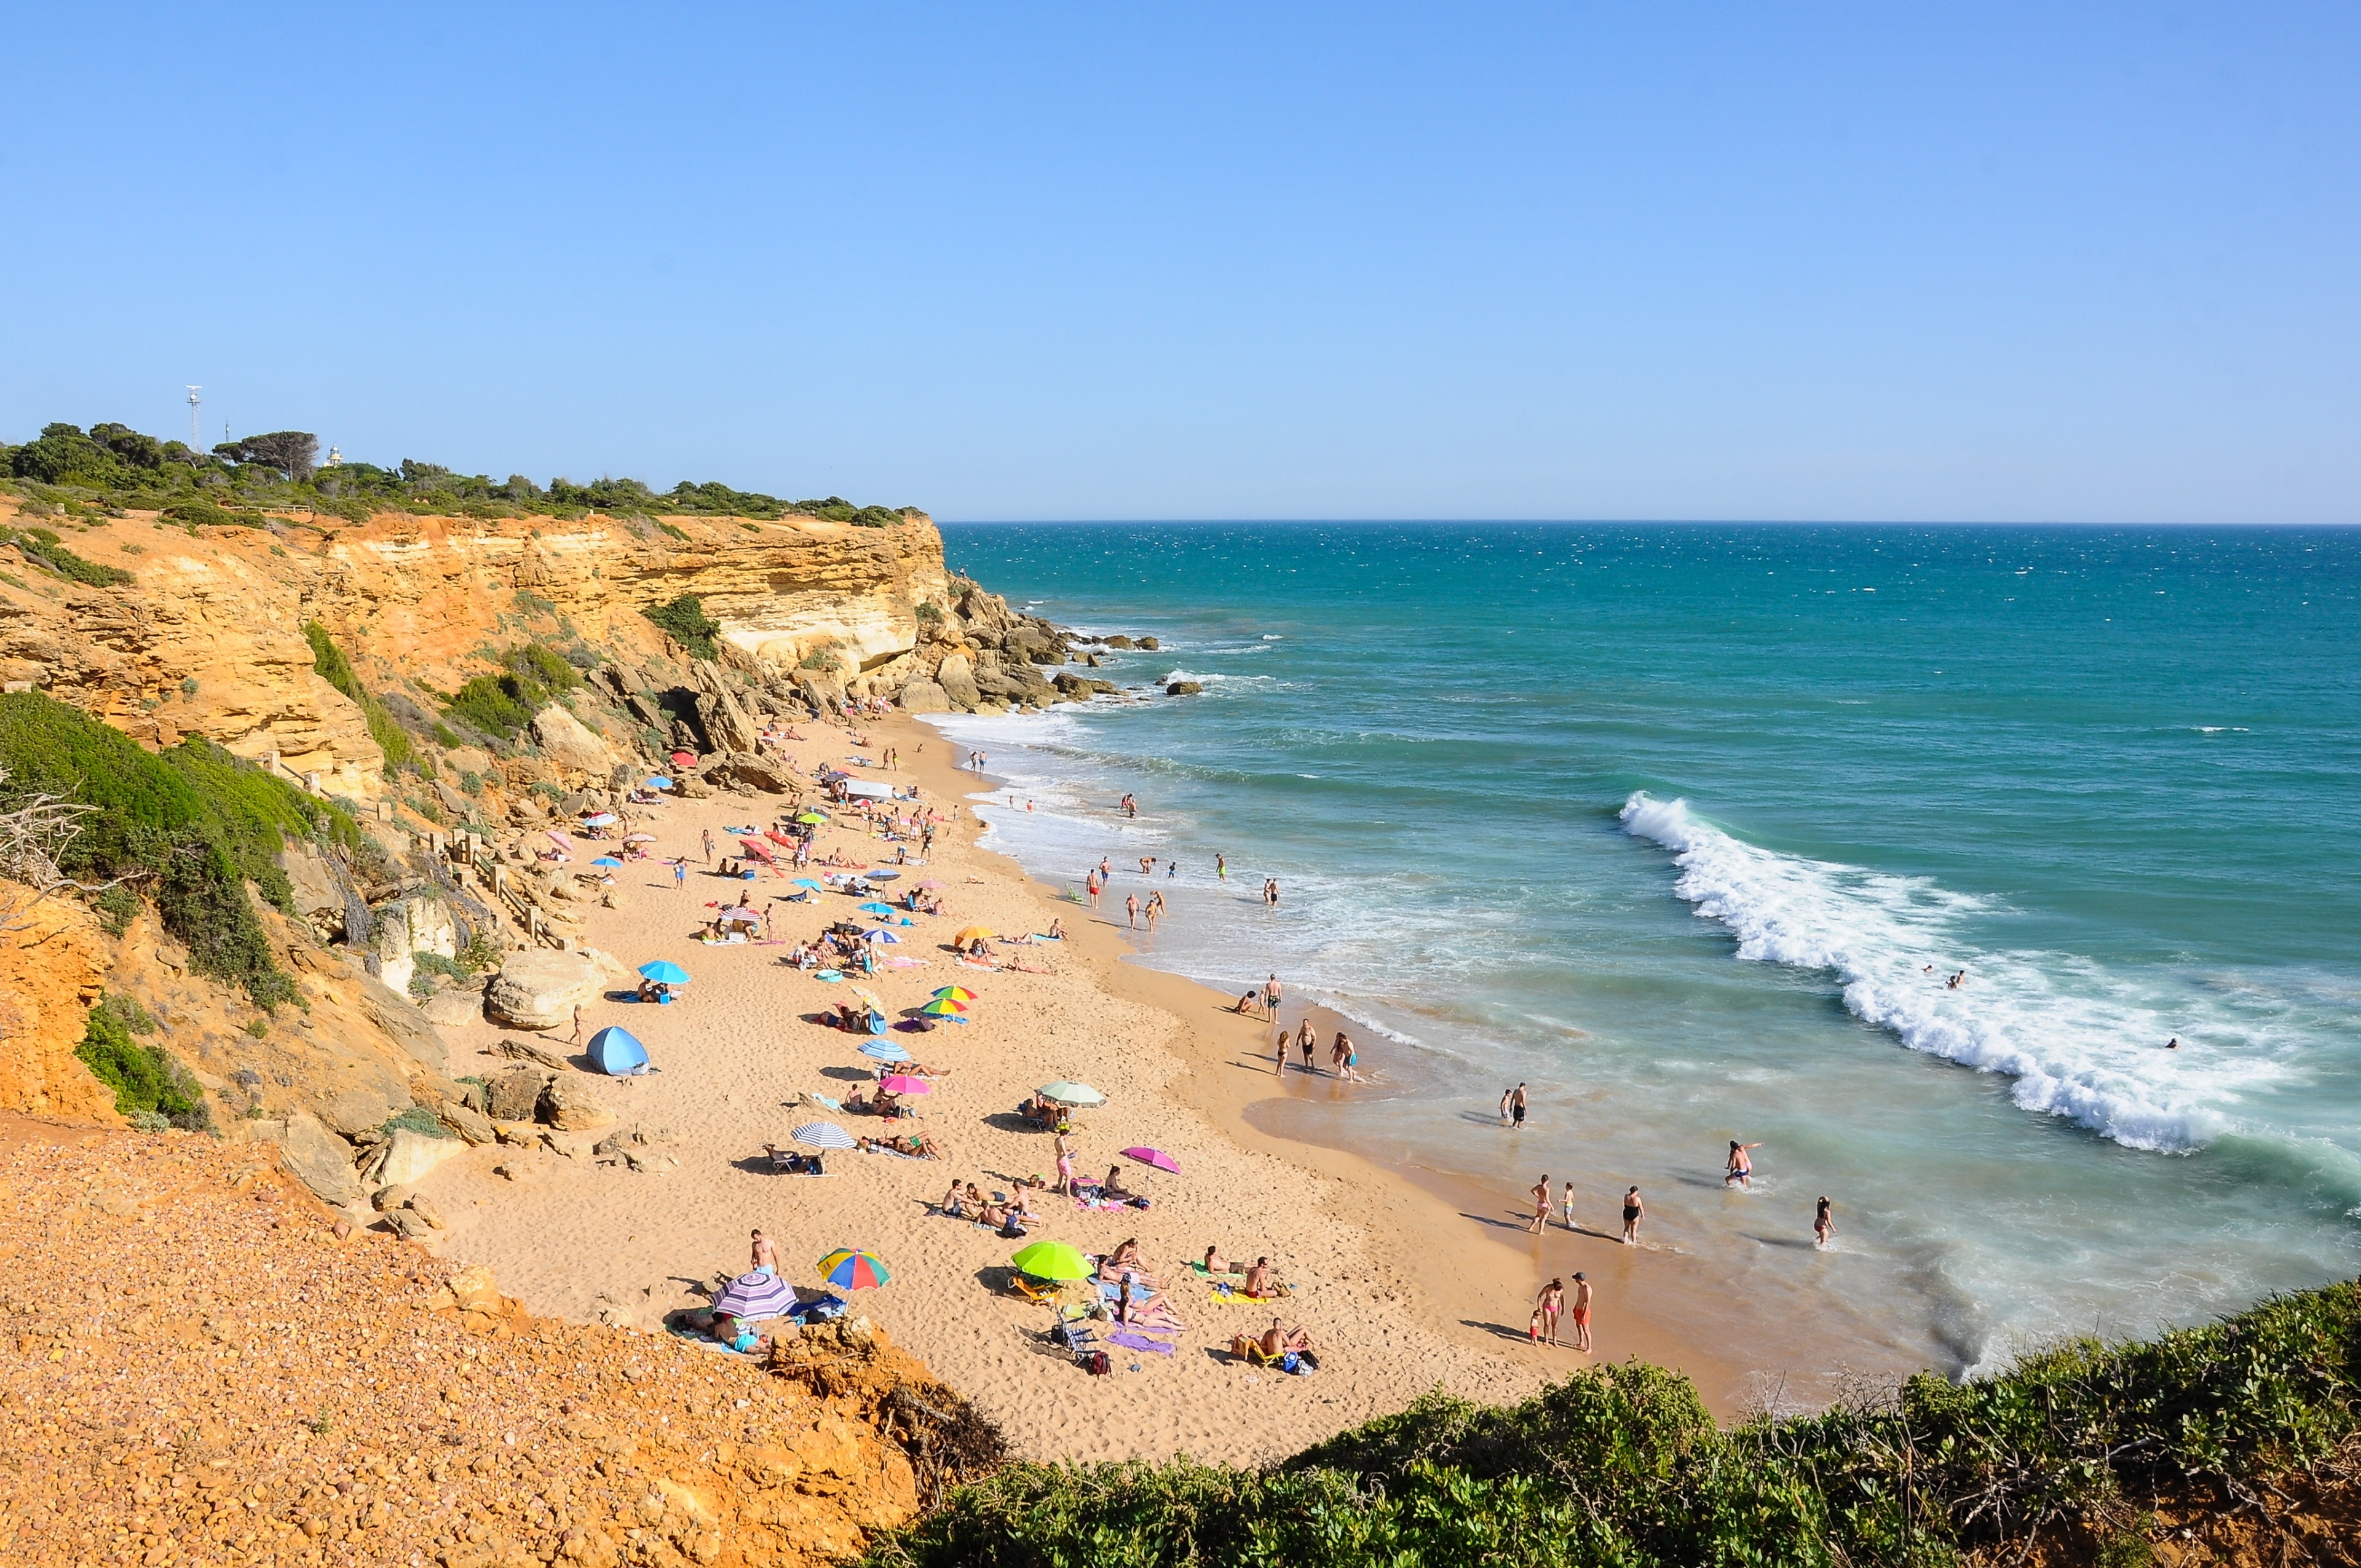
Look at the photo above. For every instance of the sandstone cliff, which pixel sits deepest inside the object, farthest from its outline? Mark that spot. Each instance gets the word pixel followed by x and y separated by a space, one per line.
pixel 52 967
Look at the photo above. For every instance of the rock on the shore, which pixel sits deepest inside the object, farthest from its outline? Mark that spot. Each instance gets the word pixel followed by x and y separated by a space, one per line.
pixel 921 696
pixel 409 1156
pixel 1183 688
pixel 568 1104
pixel 564 742
pixel 452 1008
pixel 321 1161
pixel 956 677
pixel 539 989
pixel 750 771
pixel 470 1125
pixel 515 1095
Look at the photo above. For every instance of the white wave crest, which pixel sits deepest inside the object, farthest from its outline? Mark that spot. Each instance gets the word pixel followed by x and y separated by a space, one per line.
pixel 2079 1041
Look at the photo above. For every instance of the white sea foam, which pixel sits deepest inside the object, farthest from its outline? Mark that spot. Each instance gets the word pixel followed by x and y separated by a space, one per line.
pixel 2080 1041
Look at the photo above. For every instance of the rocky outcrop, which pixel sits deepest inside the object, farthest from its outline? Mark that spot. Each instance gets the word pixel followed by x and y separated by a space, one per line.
pixel 539 989
pixel 741 770
pixel 564 742
pixel 52 967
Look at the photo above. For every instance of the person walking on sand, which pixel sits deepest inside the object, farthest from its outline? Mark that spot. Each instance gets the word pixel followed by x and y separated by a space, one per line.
pixel 578 1025
pixel 1517 1107
pixel 1271 994
pixel 766 1258
pixel 680 875
pixel 1506 1095
pixel 1131 910
pixel 1551 1303
pixel 1541 1206
pixel 1306 1041
pixel 1824 1225
pixel 708 849
pixel 1065 1167
pixel 1569 1205
pixel 1632 1210
pixel 1581 1312
pixel 1741 1169
pixel 1279 1055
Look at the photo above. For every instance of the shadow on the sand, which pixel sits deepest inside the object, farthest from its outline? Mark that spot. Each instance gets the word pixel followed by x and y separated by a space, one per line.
pixel 1783 1240
pixel 1498 1224
pixel 1497 1331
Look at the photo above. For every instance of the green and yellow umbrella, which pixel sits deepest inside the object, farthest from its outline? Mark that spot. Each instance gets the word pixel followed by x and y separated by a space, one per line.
pixel 1052 1260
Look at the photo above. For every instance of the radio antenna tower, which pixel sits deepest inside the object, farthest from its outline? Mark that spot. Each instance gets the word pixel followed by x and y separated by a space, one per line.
pixel 194 439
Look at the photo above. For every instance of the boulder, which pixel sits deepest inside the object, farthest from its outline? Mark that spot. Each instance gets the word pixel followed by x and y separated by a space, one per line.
pixel 920 694
pixel 564 742
pixel 1183 688
pixel 409 1225
pixel 458 805
pixel 515 1095
pixel 1150 643
pixel 399 1017
pixel 956 677
pixel 359 1095
pixel 386 1197
pixel 419 1204
pixel 1118 641
pixel 517 1048
pixel 409 1156
pixel 321 1161
pixel 747 771
pixel 568 1104
pixel 539 989
pixel 474 1290
pixel 453 1008
pixel 472 1125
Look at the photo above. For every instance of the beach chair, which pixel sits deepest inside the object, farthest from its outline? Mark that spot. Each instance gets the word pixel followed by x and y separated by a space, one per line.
pixel 1078 1336
pixel 1032 1289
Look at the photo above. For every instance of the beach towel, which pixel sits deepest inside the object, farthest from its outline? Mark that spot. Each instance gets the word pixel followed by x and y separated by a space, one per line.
pixel 1230 1296
pixel 1130 1341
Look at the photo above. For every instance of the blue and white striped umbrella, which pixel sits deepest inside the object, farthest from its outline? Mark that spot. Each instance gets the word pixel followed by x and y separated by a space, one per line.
pixel 755 1295
pixel 823 1136
pixel 884 1050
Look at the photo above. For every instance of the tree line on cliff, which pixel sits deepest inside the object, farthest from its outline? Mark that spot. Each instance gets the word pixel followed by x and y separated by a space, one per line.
pixel 110 466
pixel 2082 1453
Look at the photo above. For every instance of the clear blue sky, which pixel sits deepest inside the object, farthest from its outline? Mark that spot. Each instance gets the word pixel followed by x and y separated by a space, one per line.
pixel 1553 261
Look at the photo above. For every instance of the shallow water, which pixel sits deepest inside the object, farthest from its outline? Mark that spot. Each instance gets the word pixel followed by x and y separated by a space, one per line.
pixel 1686 826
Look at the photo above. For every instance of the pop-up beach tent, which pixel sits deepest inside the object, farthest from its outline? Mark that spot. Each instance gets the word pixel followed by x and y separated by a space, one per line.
pixel 617 1054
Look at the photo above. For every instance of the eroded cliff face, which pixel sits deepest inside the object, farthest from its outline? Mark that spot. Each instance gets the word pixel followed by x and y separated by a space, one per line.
pixel 208 637
pixel 52 964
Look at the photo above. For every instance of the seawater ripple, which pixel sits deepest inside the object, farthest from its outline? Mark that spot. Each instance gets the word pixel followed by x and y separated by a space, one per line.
pixel 2079 1041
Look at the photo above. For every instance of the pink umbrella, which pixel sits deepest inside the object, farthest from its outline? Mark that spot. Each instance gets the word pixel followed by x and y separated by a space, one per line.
pixel 560 839
pixel 903 1083
pixel 1156 1157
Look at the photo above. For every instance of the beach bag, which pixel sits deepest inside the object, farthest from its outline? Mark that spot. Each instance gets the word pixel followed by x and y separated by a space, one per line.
pixel 1098 1364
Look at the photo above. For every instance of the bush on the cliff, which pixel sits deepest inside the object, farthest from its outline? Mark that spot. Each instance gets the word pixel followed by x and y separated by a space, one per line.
pixel 147 1081
pixel 329 661
pixel 46 549
pixel 1621 1465
pixel 189 828
pixel 503 703
pixel 686 622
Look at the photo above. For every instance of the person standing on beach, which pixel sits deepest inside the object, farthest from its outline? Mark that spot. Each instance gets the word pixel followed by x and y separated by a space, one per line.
pixel 766 1258
pixel 1065 1167
pixel 708 849
pixel 1551 1303
pixel 1741 1169
pixel 1632 1210
pixel 680 873
pixel 1540 1205
pixel 1221 868
pixel 1506 1095
pixel 1569 1208
pixel 1131 910
pixel 1581 1313
pixel 1279 1055
pixel 578 1025
pixel 1517 1107
pixel 1305 1041
pixel 1823 1225
pixel 1271 992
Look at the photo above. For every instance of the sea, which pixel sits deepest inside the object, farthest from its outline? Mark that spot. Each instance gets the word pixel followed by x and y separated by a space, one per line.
pixel 1689 827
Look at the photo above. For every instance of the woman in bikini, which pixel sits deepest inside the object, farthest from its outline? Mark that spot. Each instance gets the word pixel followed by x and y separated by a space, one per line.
pixel 1540 1205
pixel 1551 1302
pixel 1824 1226
pixel 1741 1169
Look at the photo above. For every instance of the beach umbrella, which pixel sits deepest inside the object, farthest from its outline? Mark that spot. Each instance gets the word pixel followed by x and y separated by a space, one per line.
pixel 664 972
pixel 903 1083
pixel 823 1136
pixel 805 882
pixel 1052 1260
pixel 932 884
pixel 944 1007
pixel 810 818
pixel 824 1099
pixel 873 907
pixel 639 837
pixel 884 1050
pixel 617 1054
pixel 879 935
pixel 971 934
pixel 1156 1157
pixel 847 1268
pixel 885 876
pixel 603 819
pixel 560 839
pixel 735 917
pixel 607 861
pixel 1064 1093
pixel 656 780
pixel 755 1295
pixel 955 993
pixel 683 760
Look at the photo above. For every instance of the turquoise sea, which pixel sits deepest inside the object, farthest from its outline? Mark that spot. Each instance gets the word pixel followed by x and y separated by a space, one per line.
pixel 1686 826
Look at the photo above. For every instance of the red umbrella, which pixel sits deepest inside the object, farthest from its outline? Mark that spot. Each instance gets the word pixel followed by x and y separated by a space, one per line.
pixel 683 760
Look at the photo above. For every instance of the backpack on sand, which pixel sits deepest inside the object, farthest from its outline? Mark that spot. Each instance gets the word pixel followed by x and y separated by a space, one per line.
pixel 1098 1364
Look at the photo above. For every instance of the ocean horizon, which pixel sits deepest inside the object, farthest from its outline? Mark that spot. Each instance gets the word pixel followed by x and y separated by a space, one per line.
pixel 1687 825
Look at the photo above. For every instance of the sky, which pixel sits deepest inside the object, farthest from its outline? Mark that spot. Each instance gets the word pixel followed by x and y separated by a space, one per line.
pixel 1991 262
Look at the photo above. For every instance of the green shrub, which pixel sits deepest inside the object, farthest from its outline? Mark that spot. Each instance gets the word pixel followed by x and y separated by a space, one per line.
pixel 190 826
pixel 147 1081
pixel 1621 1465
pixel 416 1119
pixel 686 622
pixel 329 661
pixel 44 547
pixel 676 531
pixel 199 512
pixel 503 703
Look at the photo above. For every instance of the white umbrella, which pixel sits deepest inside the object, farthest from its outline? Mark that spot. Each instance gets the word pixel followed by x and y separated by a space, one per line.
pixel 823 1136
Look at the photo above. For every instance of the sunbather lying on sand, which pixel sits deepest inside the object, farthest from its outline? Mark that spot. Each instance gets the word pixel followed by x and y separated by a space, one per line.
pixel 727 1330
pixel 1217 1264
pixel 920 1147
pixel 1126 1259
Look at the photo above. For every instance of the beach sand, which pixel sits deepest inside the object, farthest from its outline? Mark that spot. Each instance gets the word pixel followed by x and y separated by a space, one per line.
pixel 1406 1281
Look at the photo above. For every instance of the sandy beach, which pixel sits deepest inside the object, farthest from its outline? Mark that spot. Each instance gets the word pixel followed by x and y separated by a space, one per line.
pixel 1404 1285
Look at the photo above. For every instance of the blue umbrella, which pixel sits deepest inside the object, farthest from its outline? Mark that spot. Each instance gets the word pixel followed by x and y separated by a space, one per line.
pixel 807 881
pixel 607 861
pixel 873 907
pixel 617 1054
pixel 664 972
pixel 884 1050
pixel 656 780
pixel 880 934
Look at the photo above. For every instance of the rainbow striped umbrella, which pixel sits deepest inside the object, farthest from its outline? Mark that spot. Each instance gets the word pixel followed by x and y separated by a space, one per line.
pixel 956 993
pixel 848 1268
pixel 944 1007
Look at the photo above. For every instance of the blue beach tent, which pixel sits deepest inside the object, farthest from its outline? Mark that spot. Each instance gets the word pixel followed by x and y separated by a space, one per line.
pixel 617 1054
